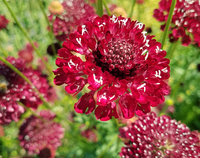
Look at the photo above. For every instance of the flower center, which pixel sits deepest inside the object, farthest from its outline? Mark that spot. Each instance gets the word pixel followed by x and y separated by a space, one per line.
pixel 118 60
pixel 3 84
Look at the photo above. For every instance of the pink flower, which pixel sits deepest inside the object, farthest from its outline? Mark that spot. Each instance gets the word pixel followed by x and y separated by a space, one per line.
pixel 3 22
pixel 74 14
pixel 115 59
pixel 185 20
pixel 13 89
pixel 36 134
pixel 152 136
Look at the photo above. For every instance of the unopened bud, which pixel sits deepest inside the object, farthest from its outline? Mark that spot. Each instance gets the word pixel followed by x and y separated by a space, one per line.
pixel 56 7
pixel 119 11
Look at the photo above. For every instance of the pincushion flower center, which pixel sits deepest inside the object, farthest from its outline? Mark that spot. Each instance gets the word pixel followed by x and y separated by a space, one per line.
pixel 3 84
pixel 119 53
pixel 118 59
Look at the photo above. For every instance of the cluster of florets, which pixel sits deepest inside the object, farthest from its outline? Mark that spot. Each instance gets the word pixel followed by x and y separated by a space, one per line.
pixel 152 136
pixel 119 63
pixel 37 133
pixel 185 20
pixel 13 89
pixel 74 14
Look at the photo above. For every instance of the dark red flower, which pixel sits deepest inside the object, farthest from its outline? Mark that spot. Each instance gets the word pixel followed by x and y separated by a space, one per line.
pixel 74 14
pixel 139 1
pixel 116 60
pixel 13 89
pixel 38 133
pixel 3 22
pixel 185 20
pixel 27 53
pixel 151 136
pixel 89 133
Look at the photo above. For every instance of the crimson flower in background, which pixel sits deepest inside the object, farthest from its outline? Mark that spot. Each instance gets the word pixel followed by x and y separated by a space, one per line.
pixel 125 67
pixel 3 22
pixel 36 134
pixel 152 136
pixel 13 89
pixel 185 20
pixel 74 14
pixel 27 53
pixel 89 133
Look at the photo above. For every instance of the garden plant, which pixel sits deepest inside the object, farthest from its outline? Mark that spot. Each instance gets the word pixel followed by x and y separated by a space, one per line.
pixel 99 78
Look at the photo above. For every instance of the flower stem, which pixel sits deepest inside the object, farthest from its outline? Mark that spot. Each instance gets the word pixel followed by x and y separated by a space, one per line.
pixel 177 85
pixel 26 79
pixel 107 9
pixel 28 38
pixel 172 49
pixel 100 8
pixel 131 13
pixel 108 146
pixel 50 26
pixel 168 22
pixel 31 111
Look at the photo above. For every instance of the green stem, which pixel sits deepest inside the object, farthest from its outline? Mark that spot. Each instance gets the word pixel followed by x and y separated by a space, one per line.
pixel 107 9
pixel 139 11
pixel 168 22
pixel 100 8
pixel 31 111
pixel 131 13
pixel 172 49
pixel 28 38
pixel 108 146
pixel 4 52
pixel 50 26
pixel 26 79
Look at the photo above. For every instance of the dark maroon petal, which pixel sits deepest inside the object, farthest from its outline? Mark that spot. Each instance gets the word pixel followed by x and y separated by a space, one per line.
pixel 74 64
pixel 96 79
pixel 105 113
pixel 186 40
pixel 59 80
pixel 180 32
pixel 86 104
pixel 60 62
pixel 75 87
pixel 128 105
pixel 65 53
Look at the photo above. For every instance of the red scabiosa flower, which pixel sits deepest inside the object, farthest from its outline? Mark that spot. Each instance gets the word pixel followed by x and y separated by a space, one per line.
pixel 185 20
pixel 152 136
pixel 125 67
pixel 38 133
pixel 13 89
pixel 3 22
pixel 74 14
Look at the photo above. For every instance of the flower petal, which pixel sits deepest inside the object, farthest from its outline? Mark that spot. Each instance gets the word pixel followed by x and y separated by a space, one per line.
pixel 86 104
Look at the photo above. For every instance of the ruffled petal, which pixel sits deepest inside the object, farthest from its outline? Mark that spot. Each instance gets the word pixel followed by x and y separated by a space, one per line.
pixel 86 104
